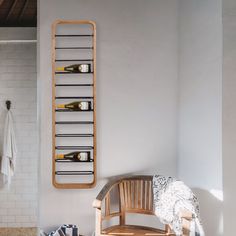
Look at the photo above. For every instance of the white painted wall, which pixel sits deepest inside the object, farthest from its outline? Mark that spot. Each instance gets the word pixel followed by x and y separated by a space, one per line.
pixel 18 204
pixel 172 39
pixel 200 108
pixel 137 50
pixel 229 115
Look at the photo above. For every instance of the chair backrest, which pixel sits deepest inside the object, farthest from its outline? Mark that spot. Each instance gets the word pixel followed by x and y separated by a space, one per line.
pixel 136 195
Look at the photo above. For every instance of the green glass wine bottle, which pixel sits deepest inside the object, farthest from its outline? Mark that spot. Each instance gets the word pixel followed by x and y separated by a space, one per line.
pixel 77 106
pixel 75 156
pixel 76 68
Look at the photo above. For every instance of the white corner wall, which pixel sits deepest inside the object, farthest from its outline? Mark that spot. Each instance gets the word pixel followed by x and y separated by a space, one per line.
pixel 229 115
pixel 200 108
pixel 137 50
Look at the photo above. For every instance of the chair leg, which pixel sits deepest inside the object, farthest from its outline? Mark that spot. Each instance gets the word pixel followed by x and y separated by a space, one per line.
pixel 98 222
pixel 167 229
pixel 186 227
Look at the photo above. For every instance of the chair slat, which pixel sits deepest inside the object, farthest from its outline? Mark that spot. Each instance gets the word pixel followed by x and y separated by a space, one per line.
pixel 132 194
pixel 128 194
pixel 143 194
pixel 151 198
pixel 139 194
pixel 122 204
pixel 107 205
pixel 135 195
pixel 148 196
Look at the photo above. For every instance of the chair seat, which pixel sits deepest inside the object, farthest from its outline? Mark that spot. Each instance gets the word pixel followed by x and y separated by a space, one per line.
pixel 130 230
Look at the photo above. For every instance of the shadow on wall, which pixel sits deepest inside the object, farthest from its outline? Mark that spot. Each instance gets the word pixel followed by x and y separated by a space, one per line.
pixel 211 210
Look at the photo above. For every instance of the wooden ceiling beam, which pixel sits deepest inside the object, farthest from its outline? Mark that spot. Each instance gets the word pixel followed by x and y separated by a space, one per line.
pixel 18 24
pixel 11 9
pixel 23 9
pixel 18 13
pixel 35 14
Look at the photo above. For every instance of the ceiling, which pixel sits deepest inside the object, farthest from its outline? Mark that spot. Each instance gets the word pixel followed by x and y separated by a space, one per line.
pixel 18 13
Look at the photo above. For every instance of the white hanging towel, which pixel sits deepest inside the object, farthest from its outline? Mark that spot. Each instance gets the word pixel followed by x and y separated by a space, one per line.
pixel 8 163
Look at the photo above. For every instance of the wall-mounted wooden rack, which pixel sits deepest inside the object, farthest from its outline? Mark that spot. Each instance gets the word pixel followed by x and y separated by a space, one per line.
pixel 73 42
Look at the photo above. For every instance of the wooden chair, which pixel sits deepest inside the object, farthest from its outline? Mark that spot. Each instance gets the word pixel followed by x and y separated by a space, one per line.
pixel 135 196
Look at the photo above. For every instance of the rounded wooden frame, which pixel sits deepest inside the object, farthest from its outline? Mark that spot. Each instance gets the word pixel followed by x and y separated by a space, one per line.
pixel 54 182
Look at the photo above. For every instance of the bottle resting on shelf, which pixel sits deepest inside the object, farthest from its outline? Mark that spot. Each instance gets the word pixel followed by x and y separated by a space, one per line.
pixel 76 68
pixel 77 106
pixel 75 156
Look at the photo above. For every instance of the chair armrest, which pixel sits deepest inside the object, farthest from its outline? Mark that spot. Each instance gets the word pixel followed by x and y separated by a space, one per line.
pixel 97 203
pixel 186 215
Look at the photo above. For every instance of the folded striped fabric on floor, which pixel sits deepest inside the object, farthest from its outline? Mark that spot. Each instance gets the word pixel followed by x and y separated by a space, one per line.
pixel 70 230
pixel 58 232
pixel 64 230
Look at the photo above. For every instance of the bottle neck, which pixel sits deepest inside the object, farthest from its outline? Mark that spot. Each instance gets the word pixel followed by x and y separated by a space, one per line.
pixel 60 68
pixel 60 156
pixel 61 106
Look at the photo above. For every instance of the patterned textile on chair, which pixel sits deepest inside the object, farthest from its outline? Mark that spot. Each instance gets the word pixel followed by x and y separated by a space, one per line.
pixel 171 197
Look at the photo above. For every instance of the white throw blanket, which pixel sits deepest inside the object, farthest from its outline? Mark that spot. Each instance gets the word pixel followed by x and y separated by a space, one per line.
pixel 8 162
pixel 171 197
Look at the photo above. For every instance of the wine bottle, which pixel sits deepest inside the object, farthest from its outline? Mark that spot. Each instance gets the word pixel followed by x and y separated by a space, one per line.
pixel 76 68
pixel 75 156
pixel 77 106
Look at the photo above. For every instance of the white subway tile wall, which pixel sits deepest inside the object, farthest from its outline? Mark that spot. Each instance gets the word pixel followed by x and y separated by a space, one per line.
pixel 18 82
